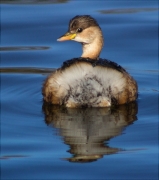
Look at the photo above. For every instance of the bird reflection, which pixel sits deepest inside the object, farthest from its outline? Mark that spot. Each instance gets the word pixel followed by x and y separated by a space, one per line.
pixel 87 131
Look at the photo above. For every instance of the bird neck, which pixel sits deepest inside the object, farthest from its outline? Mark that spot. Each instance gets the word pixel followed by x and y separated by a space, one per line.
pixel 92 50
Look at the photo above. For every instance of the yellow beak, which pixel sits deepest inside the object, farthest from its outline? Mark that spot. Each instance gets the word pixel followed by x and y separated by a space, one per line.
pixel 67 36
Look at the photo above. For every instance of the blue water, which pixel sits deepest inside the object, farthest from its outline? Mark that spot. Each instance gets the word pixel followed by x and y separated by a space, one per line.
pixel 41 142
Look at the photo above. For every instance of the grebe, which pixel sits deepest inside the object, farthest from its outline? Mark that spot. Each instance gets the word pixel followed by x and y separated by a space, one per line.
pixel 88 81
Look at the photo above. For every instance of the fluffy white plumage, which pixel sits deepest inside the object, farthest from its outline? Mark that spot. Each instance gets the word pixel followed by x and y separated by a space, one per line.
pixel 82 84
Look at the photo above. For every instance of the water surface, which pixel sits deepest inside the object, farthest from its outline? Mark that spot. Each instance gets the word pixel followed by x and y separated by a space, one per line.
pixel 50 142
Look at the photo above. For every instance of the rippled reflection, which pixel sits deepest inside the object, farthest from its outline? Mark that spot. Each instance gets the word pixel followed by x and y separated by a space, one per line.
pixel 33 1
pixel 125 11
pixel 24 48
pixel 25 70
pixel 87 131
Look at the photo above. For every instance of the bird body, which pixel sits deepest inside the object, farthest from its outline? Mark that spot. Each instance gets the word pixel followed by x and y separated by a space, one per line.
pixel 89 81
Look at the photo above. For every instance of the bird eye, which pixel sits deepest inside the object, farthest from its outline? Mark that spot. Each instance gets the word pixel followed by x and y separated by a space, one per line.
pixel 79 30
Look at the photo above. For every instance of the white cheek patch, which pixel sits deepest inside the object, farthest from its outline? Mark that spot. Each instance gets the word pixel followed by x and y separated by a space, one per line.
pixel 80 39
pixel 87 36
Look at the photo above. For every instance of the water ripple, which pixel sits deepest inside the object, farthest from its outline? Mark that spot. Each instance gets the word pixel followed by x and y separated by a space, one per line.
pixel 24 48
pixel 129 10
pixel 27 70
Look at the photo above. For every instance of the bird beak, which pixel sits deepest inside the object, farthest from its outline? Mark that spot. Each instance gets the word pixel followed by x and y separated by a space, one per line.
pixel 67 36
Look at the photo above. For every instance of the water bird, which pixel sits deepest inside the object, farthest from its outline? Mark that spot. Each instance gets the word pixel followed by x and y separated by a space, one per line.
pixel 88 81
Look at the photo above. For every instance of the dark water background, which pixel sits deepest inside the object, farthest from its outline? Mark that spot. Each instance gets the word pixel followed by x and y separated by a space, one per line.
pixel 41 142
